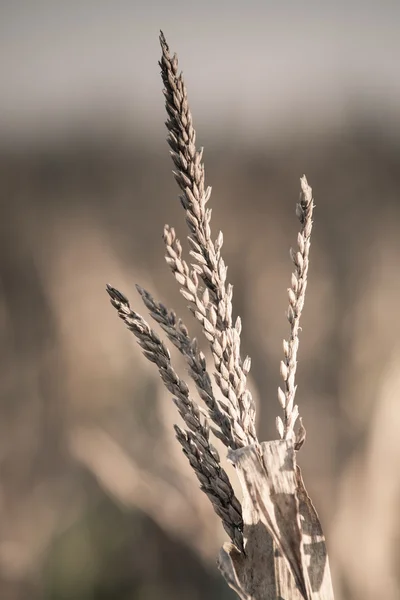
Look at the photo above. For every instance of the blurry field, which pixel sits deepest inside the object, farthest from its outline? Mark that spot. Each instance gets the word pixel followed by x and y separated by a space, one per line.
pixel 97 501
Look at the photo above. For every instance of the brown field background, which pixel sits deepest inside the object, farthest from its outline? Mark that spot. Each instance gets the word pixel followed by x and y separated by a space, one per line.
pixel 96 498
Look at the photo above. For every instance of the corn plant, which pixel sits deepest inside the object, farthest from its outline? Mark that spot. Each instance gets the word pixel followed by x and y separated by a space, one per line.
pixel 277 548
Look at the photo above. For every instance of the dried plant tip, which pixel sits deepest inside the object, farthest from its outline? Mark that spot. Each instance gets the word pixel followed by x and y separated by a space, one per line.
pixel 238 325
pixel 299 260
pixel 195 441
pixel 300 435
pixel 291 421
pixel 280 427
pixel 206 297
pixel 284 371
pixel 296 293
pixel 247 365
pixel 289 402
pixel 210 266
pixel 300 213
pixel 292 297
pixel 116 295
pixel 218 242
pixel 290 315
pixel 306 197
pixel 300 242
pixel 281 398
pixel 285 348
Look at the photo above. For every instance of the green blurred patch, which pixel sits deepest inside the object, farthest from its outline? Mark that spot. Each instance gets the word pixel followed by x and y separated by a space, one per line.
pixel 114 554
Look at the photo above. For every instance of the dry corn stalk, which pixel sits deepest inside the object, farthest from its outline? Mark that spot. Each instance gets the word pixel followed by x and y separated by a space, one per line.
pixel 277 548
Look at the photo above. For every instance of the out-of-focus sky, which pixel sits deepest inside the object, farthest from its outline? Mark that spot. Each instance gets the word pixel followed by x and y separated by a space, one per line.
pixel 258 64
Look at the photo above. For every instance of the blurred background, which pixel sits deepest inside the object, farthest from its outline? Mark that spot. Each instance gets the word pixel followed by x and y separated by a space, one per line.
pixel 96 498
